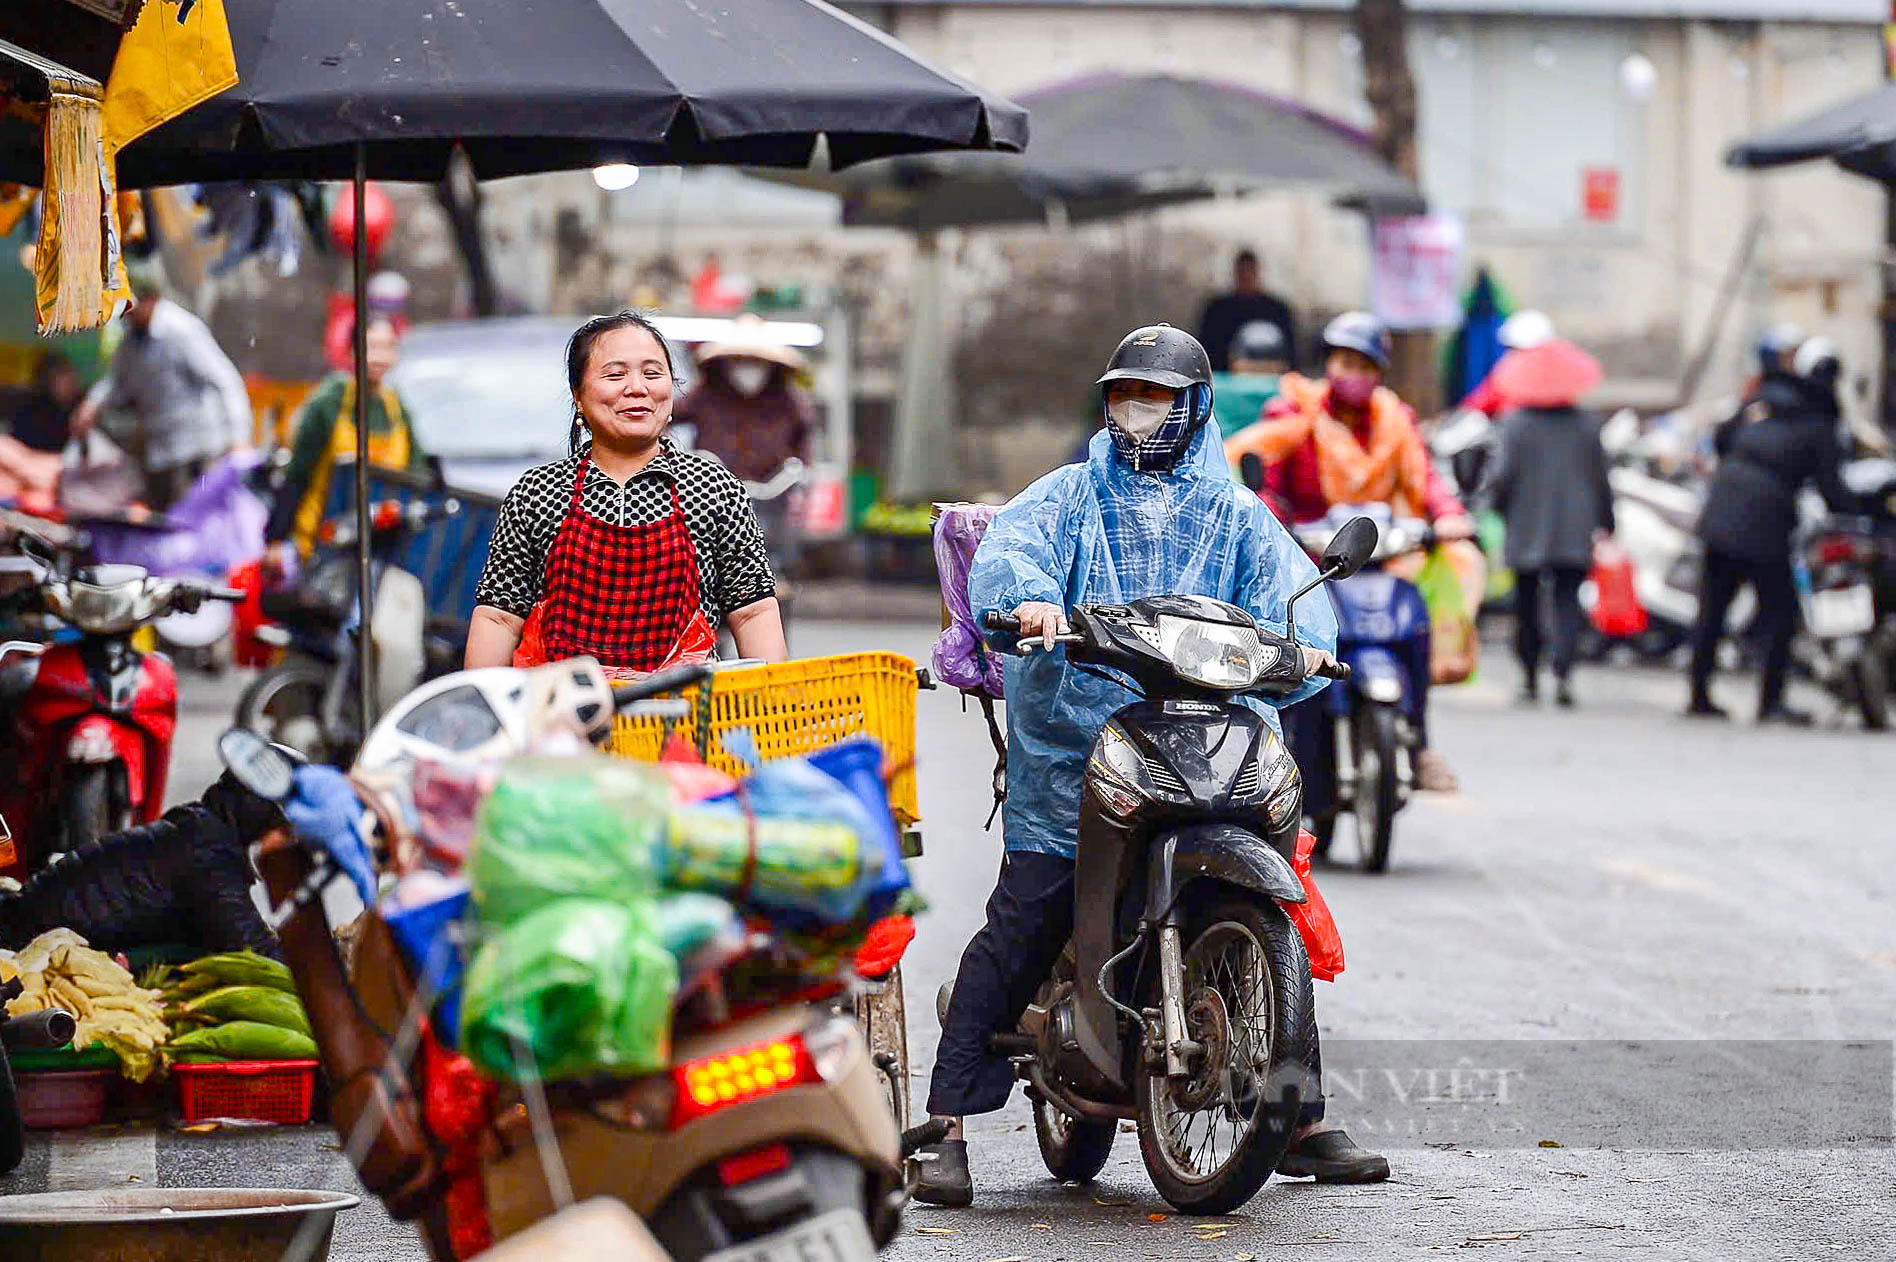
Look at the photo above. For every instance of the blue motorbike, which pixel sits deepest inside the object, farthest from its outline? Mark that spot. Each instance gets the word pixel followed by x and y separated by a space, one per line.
pixel 1356 741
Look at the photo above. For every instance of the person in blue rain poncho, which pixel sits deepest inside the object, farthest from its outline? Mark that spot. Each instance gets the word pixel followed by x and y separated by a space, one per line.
pixel 1152 511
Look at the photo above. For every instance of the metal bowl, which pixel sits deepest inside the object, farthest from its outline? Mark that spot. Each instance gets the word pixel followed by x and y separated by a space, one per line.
pixel 169 1224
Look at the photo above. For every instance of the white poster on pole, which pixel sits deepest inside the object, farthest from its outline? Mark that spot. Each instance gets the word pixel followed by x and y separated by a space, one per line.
pixel 1415 279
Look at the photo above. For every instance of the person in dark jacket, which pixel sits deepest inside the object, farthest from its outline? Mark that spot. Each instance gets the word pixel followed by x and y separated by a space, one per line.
pixel 182 880
pixel 1783 438
pixel 1549 482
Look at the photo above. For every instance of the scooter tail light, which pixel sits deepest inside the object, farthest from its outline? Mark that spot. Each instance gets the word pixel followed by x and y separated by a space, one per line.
pixel 388 515
pixel 739 1076
pixel 1835 548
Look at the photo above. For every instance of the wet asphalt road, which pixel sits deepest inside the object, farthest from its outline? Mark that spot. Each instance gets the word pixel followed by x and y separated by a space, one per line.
pixel 1631 993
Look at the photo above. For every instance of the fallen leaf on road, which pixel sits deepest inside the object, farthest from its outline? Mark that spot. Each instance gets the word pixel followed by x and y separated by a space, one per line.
pixel 1109 1204
pixel 1550 1143
pixel 1043 1227
pixel 200 1128
pixel 1246 1257
pixel 1570 1174
pixel 1220 1234
pixel 1156 1218
pixel 1494 1235
pixel 934 1231
pixel 1015 1258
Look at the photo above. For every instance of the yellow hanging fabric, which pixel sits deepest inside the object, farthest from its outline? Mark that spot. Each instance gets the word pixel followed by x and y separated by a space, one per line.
pixel 69 258
pixel 175 56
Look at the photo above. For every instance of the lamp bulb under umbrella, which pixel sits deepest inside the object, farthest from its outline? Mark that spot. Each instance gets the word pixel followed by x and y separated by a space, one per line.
pixel 614 177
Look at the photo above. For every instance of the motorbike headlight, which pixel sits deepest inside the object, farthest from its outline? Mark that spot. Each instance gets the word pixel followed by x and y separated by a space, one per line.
pixel 1215 654
pixel 101 610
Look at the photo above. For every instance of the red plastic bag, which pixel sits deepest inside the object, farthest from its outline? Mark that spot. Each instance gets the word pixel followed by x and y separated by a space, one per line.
pixel 1323 942
pixel 698 642
pixel 1616 608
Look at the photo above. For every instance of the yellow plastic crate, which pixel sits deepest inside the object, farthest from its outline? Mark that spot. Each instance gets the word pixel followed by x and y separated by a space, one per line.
pixel 800 707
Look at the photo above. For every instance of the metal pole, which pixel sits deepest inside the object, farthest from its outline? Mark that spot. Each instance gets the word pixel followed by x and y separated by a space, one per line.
pixel 365 589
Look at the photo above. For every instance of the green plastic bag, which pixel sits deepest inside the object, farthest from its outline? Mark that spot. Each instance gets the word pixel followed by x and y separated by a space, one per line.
pixel 263 1004
pixel 1453 647
pixel 585 827
pixel 584 983
pixel 242 1040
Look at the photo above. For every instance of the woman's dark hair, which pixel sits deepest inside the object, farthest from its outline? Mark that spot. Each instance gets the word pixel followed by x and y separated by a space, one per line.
pixel 579 349
pixel 50 365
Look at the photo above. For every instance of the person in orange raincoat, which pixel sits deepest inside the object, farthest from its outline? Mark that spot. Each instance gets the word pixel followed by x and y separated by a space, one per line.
pixel 1349 439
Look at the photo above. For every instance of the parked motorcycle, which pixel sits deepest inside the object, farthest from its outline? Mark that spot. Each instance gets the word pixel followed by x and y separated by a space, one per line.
pixel 802 1161
pixel 1184 999
pixel 1846 585
pixel 310 700
pixel 1357 743
pixel 89 722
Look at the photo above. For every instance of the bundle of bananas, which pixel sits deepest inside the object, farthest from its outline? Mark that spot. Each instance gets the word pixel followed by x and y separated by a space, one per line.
pixel 58 970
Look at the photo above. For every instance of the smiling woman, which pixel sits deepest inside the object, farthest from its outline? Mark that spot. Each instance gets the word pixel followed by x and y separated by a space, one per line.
pixel 629 550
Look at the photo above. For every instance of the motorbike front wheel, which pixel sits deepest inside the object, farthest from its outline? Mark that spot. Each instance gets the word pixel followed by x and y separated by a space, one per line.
pixel 1211 1139
pixel 94 804
pixel 1373 730
pixel 285 705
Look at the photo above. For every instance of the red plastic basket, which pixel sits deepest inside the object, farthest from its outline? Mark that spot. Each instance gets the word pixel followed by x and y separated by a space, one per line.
pixel 254 1090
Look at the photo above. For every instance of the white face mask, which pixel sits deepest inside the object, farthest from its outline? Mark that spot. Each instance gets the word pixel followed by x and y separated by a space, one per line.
pixel 747 376
pixel 1139 419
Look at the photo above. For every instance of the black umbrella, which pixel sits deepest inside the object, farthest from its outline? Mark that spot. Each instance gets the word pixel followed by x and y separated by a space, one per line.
pixel 391 89
pixel 1110 144
pixel 1856 126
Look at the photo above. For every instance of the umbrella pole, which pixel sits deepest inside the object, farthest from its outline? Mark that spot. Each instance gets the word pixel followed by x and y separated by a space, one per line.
pixel 365 588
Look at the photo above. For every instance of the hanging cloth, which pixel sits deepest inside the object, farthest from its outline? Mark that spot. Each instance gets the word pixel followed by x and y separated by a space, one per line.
pixel 626 595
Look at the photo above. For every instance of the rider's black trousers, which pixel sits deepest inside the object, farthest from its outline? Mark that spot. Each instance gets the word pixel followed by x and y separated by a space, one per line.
pixel 1029 919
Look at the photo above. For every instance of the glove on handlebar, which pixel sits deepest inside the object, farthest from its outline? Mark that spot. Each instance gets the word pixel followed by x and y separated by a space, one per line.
pixel 326 814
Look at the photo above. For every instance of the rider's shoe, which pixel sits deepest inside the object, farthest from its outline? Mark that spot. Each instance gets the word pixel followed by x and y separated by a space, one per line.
pixel 1330 1156
pixel 1786 716
pixel 1433 774
pixel 1705 708
pixel 945 1179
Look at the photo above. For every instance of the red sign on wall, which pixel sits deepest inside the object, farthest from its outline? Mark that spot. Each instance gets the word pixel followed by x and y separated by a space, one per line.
pixel 1600 194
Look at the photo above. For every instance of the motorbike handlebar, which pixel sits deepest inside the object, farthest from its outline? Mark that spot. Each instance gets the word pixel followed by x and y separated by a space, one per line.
pixel 1338 671
pixel 51 1027
pixel 995 620
pixel 677 679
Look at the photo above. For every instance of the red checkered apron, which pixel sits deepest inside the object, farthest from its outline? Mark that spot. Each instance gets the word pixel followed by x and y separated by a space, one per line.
pixel 627 595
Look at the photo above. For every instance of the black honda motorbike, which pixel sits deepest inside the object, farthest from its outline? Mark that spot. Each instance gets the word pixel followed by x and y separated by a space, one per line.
pixel 1184 998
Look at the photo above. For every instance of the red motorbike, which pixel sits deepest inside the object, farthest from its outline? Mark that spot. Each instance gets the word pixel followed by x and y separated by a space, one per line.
pixel 87 724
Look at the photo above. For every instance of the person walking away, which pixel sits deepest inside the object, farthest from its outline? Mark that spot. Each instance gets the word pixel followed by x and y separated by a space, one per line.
pixel 189 399
pixel 1777 443
pixel 629 550
pixel 324 432
pixel 1247 302
pixel 43 419
pixel 1151 511
pixel 1550 483
pixel 1348 439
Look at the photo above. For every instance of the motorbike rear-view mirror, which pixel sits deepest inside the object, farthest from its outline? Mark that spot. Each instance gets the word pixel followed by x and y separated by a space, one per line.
pixel 1251 470
pixel 257 764
pixel 1350 548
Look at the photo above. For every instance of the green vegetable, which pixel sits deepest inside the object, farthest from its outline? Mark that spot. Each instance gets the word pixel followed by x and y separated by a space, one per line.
pixel 243 1040
pixel 241 968
pixel 263 1004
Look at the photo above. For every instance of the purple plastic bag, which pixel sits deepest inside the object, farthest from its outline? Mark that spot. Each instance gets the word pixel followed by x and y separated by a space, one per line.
pixel 217 526
pixel 961 657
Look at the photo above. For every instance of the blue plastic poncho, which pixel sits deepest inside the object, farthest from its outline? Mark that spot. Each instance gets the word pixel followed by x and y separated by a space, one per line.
pixel 1099 533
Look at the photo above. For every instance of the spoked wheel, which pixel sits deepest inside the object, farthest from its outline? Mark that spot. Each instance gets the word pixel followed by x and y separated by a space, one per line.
pixel 1373 730
pixel 1210 1139
pixel 284 705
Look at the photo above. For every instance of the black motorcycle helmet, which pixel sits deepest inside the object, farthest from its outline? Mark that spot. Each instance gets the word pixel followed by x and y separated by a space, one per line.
pixel 1174 359
pixel 1361 332
pixel 1161 354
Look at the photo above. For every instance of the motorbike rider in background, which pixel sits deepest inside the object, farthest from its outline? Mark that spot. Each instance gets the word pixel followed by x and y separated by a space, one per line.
pixel 1346 438
pixel 1783 437
pixel 1151 511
